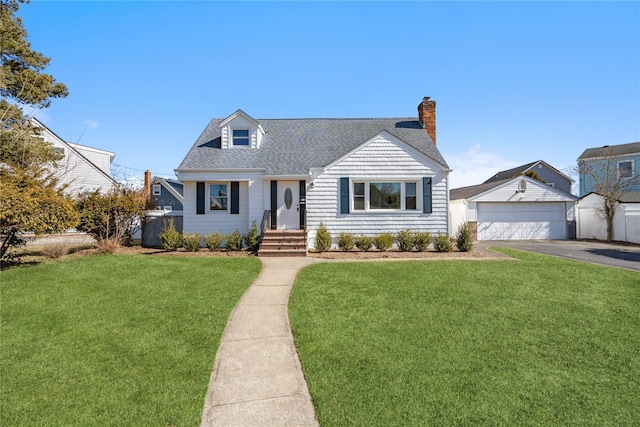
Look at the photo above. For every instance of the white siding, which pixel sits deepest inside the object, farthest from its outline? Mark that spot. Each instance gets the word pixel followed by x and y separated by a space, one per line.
pixel 102 159
pixel 384 157
pixel 458 210
pixel 251 200
pixel 78 174
pixel 536 192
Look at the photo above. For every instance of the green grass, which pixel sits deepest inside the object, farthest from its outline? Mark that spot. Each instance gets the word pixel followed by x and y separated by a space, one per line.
pixel 539 341
pixel 114 340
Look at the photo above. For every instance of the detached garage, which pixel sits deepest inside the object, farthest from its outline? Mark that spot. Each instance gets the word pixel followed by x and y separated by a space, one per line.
pixel 519 208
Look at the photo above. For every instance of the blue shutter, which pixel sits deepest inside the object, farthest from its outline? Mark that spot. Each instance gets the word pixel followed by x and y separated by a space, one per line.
pixel 426 195
pixel 235 197
pixel 344 195
pixel 200 198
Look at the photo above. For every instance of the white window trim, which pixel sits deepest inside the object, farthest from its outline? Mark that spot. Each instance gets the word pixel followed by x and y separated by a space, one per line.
pixel 233 138
pixel 228 196
pixel 633 172
pixel 157 189
pixel 367 196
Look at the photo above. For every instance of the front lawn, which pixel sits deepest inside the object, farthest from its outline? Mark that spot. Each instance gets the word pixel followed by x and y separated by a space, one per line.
pixel 538 341
pixel 114 340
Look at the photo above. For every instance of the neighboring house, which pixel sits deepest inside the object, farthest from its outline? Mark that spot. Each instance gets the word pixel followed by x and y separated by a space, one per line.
pixel 165 204
pixel 547 173
pixel 610 163
pixel 166 194
pixel 513 206
pixel 363 176
pixel 82 169
pixel 626 219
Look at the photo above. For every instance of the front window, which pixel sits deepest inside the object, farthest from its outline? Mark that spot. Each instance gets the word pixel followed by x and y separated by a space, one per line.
pixel 240 137
pixel 358 196
pixel 156 189
pixel 218 197
pixel 410 196
pixel 625 169
pixel 385 196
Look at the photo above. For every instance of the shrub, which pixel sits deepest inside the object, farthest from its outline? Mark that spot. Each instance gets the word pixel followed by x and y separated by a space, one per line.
pixel 234 241
pixel 442 242
pixel 170 237
pixel 213 241
pixel 55 250
pixel 252 237
pixel 108 246
pixel 405 239
pixel 323 239
pixel 383 241
pixel 364 243
pixel 345 241
pixel 112 215
pixel 191 242
pixel 421 240
pixel 463 238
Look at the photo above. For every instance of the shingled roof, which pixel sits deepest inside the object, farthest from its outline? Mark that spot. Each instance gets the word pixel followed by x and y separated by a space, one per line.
pixel 293 146
pixel 611 150
pixel 474 190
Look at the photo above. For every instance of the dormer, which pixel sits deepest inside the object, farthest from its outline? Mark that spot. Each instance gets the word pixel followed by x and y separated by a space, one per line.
pixel 240 130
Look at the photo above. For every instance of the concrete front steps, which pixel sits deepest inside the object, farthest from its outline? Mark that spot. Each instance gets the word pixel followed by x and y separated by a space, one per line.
pixel 283 243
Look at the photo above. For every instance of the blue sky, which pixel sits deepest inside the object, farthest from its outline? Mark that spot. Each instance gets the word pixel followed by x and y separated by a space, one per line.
pixel 514 82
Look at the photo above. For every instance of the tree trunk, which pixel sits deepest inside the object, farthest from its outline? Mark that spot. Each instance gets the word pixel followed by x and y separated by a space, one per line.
pixel 610 211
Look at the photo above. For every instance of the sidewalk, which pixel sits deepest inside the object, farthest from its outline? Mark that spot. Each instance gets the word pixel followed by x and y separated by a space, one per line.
pixel 257 378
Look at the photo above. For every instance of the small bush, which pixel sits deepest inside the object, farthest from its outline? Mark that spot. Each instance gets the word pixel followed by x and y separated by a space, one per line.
pixel 214 241
pixel 442 243
pixel 234 241
pixel 252 237
pixel 55 250
pixel 421 240
pixel 191 242
pixel 383 242
pixel 464 242
pixel 323 239
pixel 345 241
pixel 109 246
pixel 405 239
pixel 170 237
pixel 364 243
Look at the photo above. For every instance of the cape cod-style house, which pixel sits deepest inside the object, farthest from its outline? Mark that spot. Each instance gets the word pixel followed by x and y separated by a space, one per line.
pixel 363 176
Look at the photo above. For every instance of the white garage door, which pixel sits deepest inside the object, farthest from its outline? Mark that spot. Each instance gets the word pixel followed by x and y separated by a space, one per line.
pixel 521 221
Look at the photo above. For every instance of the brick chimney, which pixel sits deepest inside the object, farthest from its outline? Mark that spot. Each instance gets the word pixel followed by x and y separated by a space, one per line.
pixel 147 184
pixel 427 117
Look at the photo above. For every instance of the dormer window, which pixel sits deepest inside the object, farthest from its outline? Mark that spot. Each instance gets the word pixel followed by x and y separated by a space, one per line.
pixel 241 137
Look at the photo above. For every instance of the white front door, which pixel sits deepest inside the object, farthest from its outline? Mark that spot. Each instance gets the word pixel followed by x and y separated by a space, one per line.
pixel 288 205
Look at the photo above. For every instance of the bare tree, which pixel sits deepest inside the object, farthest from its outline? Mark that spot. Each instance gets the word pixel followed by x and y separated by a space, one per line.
pixel 611 178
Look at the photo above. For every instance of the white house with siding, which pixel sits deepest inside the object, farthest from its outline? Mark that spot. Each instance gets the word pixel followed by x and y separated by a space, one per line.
pixel 516 208
pixel 363 176
pixel 82 169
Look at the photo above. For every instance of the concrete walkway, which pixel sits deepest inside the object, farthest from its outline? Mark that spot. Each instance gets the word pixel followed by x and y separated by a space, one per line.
pixel 257 378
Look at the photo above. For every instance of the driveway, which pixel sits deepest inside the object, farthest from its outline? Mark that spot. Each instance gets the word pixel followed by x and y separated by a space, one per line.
pixel 611 254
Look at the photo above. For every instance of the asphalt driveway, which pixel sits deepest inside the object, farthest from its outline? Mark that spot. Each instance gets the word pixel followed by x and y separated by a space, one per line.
pixel 616 255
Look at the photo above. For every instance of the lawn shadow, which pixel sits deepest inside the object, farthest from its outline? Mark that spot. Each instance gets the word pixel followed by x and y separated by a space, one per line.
pixel 617 254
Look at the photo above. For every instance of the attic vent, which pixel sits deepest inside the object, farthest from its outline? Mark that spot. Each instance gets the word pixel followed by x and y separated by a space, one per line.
pixel 522 186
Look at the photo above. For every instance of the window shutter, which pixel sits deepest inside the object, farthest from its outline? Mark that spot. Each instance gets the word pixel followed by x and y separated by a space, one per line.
pixel 200 198
pixel 235 198
pixel 344 195
pixel 426 195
